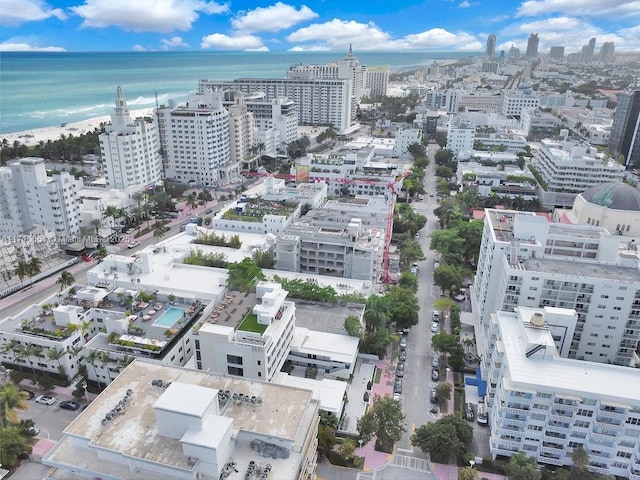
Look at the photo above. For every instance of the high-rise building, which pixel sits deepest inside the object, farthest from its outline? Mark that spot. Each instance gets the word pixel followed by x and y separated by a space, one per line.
pixel 241 134
pixel 490 50
pixel 532 46
pixel 556 53
pixel 195 140
pixel 13 219
pixel 607 51
pixel 514 52
pixel 625 124
pixel 46 200
pixel 130 149
pixel 376 81
pixel 588 52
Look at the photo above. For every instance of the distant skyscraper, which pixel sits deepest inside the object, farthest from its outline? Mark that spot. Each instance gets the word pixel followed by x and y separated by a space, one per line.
pixel 490 51
pixel 514 52
pixel 556 52
pixel 607 51
pixel 625 126
pixel 587 51
pixel 532 46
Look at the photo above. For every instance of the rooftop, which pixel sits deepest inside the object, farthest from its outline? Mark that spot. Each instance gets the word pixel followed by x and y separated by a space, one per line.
pixel 605 271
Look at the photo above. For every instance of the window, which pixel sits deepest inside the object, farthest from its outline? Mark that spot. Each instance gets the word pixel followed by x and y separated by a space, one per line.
pixel 235 371
pixel 234 359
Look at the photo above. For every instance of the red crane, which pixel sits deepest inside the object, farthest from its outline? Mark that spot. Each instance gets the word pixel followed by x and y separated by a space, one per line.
pixel 386 278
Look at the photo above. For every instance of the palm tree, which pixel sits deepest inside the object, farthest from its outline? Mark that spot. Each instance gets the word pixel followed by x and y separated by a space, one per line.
pixel 55 354
pixel 11 399
pixel 191 201
pixel 158 231
pixel 375 314
pixel 92 357
pixel 32 350
pixel 12 347
pixel 22 270
pixel 104 363
pixel 34 267
pixel 13 444
pixel 66 279
pixel 96 223
pixel 580 458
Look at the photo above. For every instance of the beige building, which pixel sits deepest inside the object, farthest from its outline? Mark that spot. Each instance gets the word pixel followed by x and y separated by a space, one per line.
pixel 159 421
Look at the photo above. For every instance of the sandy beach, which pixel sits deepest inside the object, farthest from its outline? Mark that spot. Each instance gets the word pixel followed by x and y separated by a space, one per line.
pixel 33 137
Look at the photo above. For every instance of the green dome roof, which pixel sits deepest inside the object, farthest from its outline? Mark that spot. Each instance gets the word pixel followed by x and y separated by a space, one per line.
pixel 617 196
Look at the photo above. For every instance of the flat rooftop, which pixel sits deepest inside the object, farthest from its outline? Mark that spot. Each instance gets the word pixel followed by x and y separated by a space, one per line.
pixel 553 373
pixel 134 432
pixel 604 271
pixel 325 318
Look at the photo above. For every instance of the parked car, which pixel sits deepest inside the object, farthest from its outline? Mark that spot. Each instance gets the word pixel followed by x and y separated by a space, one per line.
pixel 209 211
pixel 469 414
pixel 435 361
pixel 397 397
pixel 402 357
pixel 69 405
pixel 433 396
pixel 400 370
pixel 435 316
pixel 435 374
pixel 133 244
pixel 403 343
pixel 420 197
pixel 33 431
pixel 434 409
pixel 45 399
pixel 397 386
pixel 414 268
pixel 435 327
pixel 29 393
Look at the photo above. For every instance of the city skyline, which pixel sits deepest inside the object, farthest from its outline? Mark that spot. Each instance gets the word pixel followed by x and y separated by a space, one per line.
pixel 315 25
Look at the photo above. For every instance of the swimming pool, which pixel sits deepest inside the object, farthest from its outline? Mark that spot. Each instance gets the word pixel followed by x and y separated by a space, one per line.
pixel 169 317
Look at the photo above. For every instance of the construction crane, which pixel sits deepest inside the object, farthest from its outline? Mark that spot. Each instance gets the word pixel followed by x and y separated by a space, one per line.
pixel 386 277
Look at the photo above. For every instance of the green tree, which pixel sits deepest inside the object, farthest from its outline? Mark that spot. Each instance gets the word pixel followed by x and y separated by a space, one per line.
pixel 410 251
pixel 467 473
pixel 443 390
pixel 352 326
pixel 13 443
pixel 417 150
pixel 158 231
pixel 403 307
pixel 326 437
pixel 22 270
pixel 409 281
pixel 66 279
pixel 244 275
pixel 376 342
pixel 444 157
pixel 447 277
pixel 448 437
pixel 522 467
pixel 449 245
pixel 264 259
pixel 347 449
pixel 386 422
pixel 580 459
pixel 444 342
pixel 191 201
pixel 11 399
pixel 376 313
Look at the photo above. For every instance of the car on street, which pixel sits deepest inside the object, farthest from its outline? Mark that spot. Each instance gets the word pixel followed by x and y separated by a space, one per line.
pixel 435 327
pixel 469 414
pixel 402 357
pixel 397 397
pixel 405 331
pixel 403 343
pixel 33 431
pixel 435 316
pixel 433 396
pixel 435 374
pixel 209 211
pixel 400 370
pixel 29 393
pixel 397 386
pixel 435 361
pixel 414 268
pixel 69 405
pixel 431 195
pixel 434 409
pixel 133 244
pixel 420 197
pixel 45 399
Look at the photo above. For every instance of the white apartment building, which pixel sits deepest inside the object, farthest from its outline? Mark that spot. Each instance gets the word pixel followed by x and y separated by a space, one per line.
pixel 195 140
pixel 546 406
pixel 404 138
pixel 159 421
pixel 477 101
pixel 460 137
pixel 94 201
pixel 241 134
pixel 537 124
pixel 13 219
pixel 351 251
pixel 318 101
pixel 527 261
pixel 376 81
pixel 513 101
pixel 258 346
pixel 568 168
pixel 507 141
pixel 447 100
pixel 49 201
pixel 277 114
pixel 130 149
pixel 504 181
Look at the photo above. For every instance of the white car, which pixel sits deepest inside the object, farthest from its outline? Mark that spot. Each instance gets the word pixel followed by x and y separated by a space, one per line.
pixel 45 399
pixel 133 244
pixel 435 327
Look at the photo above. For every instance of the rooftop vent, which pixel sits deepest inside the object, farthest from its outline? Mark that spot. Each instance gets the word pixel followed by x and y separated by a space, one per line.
pixel 537 320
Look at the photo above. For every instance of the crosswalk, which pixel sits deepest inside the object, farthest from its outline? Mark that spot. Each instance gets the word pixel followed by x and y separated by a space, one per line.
pixel 410 462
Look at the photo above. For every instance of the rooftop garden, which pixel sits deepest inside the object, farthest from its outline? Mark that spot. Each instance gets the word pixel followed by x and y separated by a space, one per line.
pixel 250 324
pixel 256 208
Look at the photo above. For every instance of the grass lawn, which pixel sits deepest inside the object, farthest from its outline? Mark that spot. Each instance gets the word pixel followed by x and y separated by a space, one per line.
pixel 250 324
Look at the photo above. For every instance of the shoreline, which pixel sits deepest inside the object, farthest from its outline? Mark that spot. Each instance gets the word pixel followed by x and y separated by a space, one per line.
pixel 32 137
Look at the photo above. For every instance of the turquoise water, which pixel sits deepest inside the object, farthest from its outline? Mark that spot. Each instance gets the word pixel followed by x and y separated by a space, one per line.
pixel 169 317
pixel 45 89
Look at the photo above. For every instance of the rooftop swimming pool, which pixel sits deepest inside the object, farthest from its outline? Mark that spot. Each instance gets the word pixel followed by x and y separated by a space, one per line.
pixel 169 317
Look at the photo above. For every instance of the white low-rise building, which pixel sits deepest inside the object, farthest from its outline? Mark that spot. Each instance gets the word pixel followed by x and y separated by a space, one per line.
pixel 546 406
pixel 460 138
pixel 404 139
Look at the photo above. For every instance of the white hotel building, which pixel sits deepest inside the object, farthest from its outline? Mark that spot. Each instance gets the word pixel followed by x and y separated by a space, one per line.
pixel 546 406
pixel 130 149
pixel 527 261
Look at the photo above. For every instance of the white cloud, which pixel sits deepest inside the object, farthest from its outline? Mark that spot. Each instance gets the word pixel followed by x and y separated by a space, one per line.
pixel 173 42
pixel 441 38
pixel 15 12
pixel 310 48
pixel 274 18
pixel 226 42
pixel 25 47
pixel 595 8
pixel 139 48
pixel 161 16
pixel 338 34
pixel 465 4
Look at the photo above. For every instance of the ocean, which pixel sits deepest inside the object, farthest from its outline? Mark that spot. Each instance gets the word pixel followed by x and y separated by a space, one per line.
pixel 39 89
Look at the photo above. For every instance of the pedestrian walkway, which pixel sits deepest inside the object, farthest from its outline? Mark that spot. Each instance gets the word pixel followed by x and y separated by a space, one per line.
pixel 450 472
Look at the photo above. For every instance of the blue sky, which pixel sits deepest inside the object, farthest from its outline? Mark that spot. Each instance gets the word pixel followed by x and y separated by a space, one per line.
pixel 438 25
